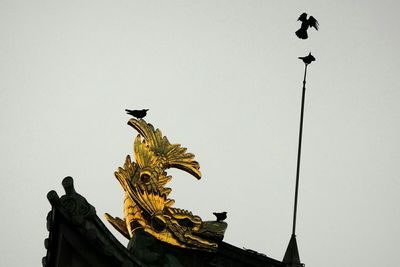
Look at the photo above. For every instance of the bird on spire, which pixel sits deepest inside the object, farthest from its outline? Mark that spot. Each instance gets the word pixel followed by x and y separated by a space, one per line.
pixel 308 59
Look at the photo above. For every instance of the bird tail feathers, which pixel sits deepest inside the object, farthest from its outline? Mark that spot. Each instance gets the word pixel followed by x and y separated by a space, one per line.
pixel 302 34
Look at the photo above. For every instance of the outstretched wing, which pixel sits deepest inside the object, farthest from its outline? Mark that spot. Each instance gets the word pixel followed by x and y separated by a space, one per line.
pixel 168 155
pixel 312 22
pixel 303 17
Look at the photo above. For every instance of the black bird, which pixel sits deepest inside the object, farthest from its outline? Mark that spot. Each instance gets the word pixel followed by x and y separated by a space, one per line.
pixel 308 59
pixel 137 113
pixel 220 216
pixel 305 24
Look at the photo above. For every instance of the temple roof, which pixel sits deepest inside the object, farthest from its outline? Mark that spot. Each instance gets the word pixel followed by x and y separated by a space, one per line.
pixel 77 237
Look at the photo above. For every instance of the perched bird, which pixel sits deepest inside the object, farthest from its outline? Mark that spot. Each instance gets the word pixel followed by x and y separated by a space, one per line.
pixel 220 216
pixel 308 59
pixel 305 24
pixel 137 113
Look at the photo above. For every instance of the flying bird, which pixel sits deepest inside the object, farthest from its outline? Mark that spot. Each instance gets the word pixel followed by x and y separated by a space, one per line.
pixel 139 114
pixel 220 216
pixel 305 24
pixel 308 59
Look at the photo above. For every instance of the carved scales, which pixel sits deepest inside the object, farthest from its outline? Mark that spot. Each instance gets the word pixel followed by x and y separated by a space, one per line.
pixel 147 206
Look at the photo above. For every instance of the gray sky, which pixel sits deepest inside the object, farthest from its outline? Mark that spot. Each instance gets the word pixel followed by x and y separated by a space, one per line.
pixel 223 79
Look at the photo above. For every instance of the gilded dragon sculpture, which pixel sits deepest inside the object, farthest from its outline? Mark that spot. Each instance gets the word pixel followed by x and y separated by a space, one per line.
pixel 147 206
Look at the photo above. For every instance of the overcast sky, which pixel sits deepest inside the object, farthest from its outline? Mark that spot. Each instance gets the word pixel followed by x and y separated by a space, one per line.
pixel 221 78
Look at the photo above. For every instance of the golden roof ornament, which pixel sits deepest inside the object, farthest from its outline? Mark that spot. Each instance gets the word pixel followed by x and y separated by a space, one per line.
pixel 147 206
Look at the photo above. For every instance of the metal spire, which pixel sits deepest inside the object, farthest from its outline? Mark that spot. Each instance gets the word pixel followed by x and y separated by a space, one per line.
pixel 292 257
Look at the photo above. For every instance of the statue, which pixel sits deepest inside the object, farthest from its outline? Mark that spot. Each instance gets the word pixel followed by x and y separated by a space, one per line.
pixel 147 207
